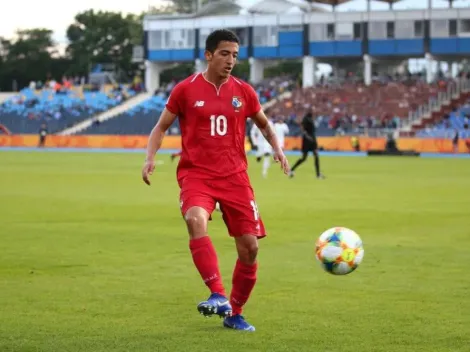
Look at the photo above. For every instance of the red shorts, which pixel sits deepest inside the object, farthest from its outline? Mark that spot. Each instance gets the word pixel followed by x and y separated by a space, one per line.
pixel 235 196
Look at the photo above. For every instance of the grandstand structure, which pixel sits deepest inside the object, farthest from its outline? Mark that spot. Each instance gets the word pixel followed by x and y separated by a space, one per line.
pixel 371 93
pixel 371 42
pixel 269 31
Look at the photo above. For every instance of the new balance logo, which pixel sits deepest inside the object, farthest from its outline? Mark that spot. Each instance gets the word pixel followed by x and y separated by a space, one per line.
pixel 199 103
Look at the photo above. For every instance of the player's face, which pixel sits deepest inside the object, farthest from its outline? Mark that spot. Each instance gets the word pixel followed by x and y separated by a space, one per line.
pixel 224 58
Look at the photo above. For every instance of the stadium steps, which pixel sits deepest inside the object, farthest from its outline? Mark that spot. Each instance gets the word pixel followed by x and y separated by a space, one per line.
pixel 445 107
pixel 108 114
pixel 280 97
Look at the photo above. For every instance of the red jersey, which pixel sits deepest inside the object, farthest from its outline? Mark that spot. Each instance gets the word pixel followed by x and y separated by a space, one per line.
pixel 212 122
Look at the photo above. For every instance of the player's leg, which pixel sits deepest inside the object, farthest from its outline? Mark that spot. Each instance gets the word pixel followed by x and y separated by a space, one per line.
pixel 244 274
pixel 259 153
pixel 316 158
pixel 241 216
pixel 317 164
pixel 301 160
pixel 196 205
pixel 266 164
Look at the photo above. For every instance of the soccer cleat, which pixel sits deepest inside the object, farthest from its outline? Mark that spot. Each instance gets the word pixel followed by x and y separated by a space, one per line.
pixel 291 174
pixel 238 322
pixel 321 177
pixel 215 304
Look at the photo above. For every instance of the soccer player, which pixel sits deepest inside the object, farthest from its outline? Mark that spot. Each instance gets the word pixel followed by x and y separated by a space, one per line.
pixel 309 144
pixel 255 135
pixel 265 150
pixel 281 129
pixel 212 108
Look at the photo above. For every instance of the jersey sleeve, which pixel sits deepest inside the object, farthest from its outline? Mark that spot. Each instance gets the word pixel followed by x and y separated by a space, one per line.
pixel 175 100
pixel 252 103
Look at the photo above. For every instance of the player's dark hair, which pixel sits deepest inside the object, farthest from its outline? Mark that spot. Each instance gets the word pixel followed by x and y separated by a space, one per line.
pixel 220 35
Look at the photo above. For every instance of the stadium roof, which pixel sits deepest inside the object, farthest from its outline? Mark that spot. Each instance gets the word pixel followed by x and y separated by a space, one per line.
pixel 329 2
pixel 235 7
pixel 451 2
pixel 282 6
pixel 389 1
pixel 222 7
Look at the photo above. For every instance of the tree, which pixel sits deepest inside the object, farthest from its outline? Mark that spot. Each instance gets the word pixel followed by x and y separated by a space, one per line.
pixel 27 58
pixel 180 6
pixel 162 8
pixel 185 6
pixel 32 44
pixel 102 38
pixel 136 29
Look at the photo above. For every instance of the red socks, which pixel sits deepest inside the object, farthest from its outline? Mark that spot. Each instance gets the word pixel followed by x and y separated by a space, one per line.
pixel 243 281
pixel 205 259
pixel 244 275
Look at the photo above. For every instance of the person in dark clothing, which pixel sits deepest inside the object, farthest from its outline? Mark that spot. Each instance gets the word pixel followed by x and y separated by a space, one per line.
pixel 42 135
pixel 455 141
pixel 309 144
pixel 391 144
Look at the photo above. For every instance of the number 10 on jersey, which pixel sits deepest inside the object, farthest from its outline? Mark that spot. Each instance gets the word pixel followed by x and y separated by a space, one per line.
pixel 218 125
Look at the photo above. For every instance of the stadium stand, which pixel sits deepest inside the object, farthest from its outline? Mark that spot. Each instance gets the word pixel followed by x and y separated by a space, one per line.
pixel 455 122
pixel 26 111
pixel 342 107
pixel 361 102
pixel 140 119
pixel 352 107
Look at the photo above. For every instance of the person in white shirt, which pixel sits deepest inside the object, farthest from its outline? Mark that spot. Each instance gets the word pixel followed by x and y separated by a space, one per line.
pixel 281 129
pixel 264 149
pixel 256 139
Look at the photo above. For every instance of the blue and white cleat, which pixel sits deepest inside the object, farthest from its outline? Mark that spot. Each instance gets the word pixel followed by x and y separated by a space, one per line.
pixel 215 304
pixel 238 322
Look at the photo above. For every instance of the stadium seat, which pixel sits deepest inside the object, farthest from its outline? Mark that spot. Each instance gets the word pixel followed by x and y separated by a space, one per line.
pixel 456 121
pixel 25 112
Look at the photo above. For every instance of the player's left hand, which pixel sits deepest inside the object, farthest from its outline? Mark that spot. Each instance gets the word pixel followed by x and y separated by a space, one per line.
pixel 279 157
pixel 147 170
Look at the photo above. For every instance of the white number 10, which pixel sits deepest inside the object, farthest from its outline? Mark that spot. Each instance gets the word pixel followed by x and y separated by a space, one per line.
pixel 218 125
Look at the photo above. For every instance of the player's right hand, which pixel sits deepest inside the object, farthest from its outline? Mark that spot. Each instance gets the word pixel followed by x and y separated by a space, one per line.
pixel 147 170
pixel 279 157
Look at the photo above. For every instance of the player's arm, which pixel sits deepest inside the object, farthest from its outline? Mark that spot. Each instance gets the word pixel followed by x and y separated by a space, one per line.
pixel 155 142
pixel 158 132
pixel 267 131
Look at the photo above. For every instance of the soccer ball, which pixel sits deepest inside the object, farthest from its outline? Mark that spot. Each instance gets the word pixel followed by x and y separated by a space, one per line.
pixel 339 250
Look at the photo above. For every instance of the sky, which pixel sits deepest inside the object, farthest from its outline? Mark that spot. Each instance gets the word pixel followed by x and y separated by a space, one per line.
pixel 58 14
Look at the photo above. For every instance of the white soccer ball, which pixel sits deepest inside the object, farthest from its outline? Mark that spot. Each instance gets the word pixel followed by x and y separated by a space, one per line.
pixel 339 250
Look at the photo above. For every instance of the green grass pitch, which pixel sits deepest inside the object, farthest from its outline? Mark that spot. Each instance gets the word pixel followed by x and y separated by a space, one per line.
pixel 92 259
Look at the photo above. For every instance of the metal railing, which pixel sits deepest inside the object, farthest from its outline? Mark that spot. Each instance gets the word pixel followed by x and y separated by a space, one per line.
pixel 453 92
